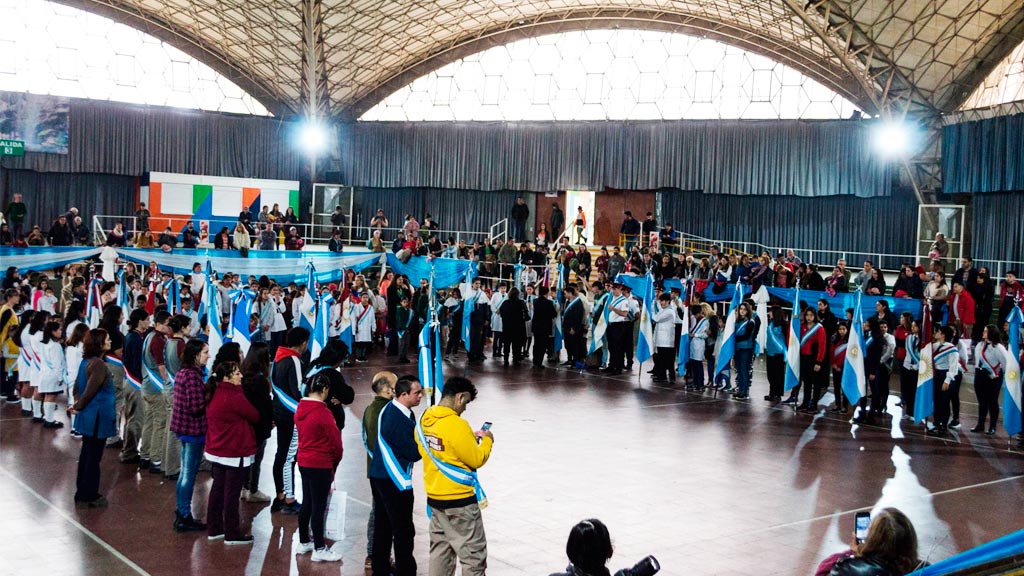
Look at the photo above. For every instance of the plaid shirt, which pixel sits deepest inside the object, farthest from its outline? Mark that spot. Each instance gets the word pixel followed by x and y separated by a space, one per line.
pixel 189 415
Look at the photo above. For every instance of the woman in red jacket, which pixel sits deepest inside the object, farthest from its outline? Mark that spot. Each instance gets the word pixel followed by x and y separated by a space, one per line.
pixel 813 371
pixel 230 448
pixel 318 457
pixel 962 311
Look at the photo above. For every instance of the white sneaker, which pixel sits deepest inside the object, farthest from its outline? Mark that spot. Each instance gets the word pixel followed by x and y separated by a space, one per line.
pixel 304 548
pixel 257 497
pixel 326 555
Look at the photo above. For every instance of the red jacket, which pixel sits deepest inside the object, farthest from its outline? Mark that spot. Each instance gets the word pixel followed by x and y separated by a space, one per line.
pixel 319 437
pixel 815 345
pixel 230 419
pixel 838 355
pixel 964 307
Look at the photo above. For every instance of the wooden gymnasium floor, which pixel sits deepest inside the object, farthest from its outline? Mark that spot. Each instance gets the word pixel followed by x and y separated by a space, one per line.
pixel 707 484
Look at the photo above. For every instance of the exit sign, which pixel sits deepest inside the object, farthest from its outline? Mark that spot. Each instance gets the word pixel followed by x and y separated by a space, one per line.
pixel 12 148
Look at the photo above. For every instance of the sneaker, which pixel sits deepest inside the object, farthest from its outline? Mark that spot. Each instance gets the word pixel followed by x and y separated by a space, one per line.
pixel 240 540
pixel 26 412
pixel 291 507
pixel 277 505
pixel 256 497
pixel 215 536
pixel 37 419
pixel 740 396
pixel 75 433
pixel 955 424
pixel 304 548
pixel 187 524
pixel 145 464
pixel 790 400
pixel 326 555
pixel 99 502
pixel 54 424
pixel 115 445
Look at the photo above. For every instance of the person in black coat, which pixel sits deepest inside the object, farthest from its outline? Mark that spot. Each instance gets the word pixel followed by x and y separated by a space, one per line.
pixel 573 322
pixel 543 324
pixel 330 360
pixel 514 315
pixel 256 387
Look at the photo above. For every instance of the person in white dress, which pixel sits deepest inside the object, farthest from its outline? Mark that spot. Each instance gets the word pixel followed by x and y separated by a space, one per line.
pixel 50 374
pixel 364 326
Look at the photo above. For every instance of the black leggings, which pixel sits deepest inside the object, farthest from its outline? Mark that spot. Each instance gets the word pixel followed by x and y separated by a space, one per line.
pixel 908 389
pixel 285 429
pixel 987 389
pixel 316 493
pixel 252 484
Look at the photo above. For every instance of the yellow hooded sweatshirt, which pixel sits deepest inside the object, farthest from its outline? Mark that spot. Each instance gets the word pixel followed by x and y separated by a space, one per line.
pixel 451 440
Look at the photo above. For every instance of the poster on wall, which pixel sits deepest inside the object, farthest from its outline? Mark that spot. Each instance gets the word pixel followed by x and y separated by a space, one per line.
pixel 41 122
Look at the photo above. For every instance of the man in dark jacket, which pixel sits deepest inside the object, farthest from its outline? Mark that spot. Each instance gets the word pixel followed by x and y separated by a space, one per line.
pixel 557 222
pixel 573 328
pixel 391 480
pixel 520 212
pixel 542 325
pixel 286 375
pixel 630 231
pixel 60 232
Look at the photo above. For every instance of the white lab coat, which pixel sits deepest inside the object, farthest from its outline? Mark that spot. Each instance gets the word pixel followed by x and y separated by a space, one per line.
pixel 363 329
pixel 664 326
pixel 50 379
pixel 497 299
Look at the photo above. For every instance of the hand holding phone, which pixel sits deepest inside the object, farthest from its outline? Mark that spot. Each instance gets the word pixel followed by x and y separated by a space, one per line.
pixel 862 523
pixel 485 430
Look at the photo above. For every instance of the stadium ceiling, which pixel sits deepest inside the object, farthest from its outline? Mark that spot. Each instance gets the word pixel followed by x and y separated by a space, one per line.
pixel 887 56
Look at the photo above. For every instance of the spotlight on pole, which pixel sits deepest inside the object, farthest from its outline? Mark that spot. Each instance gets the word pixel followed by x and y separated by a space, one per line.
pixel 313 137
pixel 895 139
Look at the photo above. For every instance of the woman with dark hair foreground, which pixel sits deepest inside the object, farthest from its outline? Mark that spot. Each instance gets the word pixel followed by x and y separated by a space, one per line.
pixel 890 549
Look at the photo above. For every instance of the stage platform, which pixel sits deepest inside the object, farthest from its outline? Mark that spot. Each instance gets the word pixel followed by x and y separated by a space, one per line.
pixel 707 484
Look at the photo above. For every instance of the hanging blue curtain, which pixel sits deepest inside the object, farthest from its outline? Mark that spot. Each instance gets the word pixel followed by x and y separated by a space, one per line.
pixel 777 157
pixel 469 210
pixel 997 225
pixel 984 156
pixel 886 225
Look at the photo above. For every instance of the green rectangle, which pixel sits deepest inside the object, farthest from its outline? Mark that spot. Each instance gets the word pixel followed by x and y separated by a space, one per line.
pixel 12 148
pixel 200 192
pixel 293 200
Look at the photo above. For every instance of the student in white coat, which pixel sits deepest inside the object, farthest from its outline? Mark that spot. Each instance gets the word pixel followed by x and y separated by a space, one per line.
pixel 665 319
pixel 497 299
pixel 52 365
pixel 700 332
pixel 364 325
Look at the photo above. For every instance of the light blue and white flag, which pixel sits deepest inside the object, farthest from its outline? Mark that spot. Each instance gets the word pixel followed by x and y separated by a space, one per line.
pixel 855 383
pixel 94 304
pixel 729 332
pixel 430 358
pixel 645 339
pixel 307 307
pixel 1012 389
pixel 468 306
pixel 215 339
pixel 124 294
pixel 322 327
pixel 793 346
pixel 924 396
pixel 599 326
pixel 241 310
pixel 558 305
pixel 683 354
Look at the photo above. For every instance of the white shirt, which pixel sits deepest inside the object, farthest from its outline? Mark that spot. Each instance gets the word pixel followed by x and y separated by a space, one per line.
pixel 618 303
pixel 278 304
pixel 400 406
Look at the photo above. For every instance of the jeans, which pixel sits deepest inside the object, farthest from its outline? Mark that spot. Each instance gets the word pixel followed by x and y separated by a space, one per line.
pixel 191 455
pixel 519 230
pixel 744 366
pixel 316 493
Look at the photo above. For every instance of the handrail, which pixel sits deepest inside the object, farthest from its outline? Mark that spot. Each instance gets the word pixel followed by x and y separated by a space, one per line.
pixel 502 226
pixel 99 234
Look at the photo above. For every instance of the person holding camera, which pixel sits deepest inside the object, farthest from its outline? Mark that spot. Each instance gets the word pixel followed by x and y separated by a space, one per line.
pixel 590 547
pixel 452 453
pixel 890 547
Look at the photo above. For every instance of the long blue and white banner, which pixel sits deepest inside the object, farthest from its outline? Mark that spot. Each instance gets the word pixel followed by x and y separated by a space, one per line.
pixel 40 258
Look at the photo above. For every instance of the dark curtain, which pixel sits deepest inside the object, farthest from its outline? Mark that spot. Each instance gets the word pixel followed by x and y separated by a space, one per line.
pixel 998 226
pixel 984 156
pixel 464 210
pixel 50 194
pixel 788 158
pixel 845 224
pixel 114 138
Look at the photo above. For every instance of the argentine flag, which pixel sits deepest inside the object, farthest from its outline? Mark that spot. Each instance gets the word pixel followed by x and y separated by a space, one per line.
pixel 321 328
pixel 558 308
pixel 599 326
pixel 124 295
pixel 793 346
pixel 683 354
pixel 924 397
pixel 468 305
pixel 215 338
pixel 729 333
pixel 242 300
pixel 307 308
pixel 430 361
pixel 1011 394
pixel 854 380
pixel 346 319
pixel 645 340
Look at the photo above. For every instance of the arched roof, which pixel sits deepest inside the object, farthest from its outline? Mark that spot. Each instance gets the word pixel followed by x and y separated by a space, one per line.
pixel 925 56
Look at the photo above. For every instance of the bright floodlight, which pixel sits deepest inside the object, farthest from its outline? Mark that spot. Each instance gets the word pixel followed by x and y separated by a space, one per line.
pixel 313 137
pixel 894 139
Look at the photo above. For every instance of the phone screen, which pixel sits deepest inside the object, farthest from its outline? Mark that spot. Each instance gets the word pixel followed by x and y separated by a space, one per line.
pixel 863 521
pixel 485 427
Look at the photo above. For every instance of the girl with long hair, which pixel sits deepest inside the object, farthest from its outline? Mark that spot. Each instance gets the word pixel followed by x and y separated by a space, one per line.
pixel 189 425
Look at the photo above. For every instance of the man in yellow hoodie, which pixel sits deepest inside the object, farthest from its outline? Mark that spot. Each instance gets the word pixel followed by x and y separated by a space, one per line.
pixel 452 452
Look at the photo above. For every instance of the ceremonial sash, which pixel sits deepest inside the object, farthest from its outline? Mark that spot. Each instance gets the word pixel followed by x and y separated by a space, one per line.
pixel 839 350
pixel 809 334
pixel 741 327
pixel 912 351
pixel 134 381
pixel 569 307
pixel 402 477
pixel 992 369
pixel 287 401
pixel 775 339
pixel 452 472
pixel 700 327
pixel 154 376
pixel 945 350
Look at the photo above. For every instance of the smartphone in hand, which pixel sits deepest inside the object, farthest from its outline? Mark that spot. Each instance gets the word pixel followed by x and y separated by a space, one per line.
pixel 862 522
